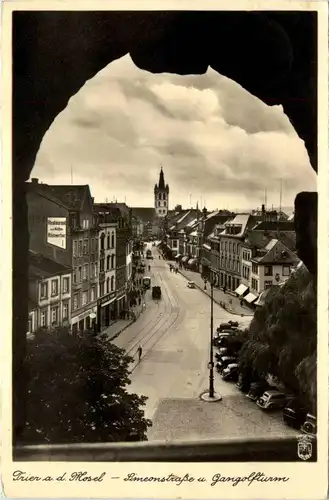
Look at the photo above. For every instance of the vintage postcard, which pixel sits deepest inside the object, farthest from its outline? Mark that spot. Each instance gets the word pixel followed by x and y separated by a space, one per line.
pixel 165 244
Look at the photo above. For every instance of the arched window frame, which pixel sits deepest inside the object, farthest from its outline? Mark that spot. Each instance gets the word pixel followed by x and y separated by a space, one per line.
pixel 102 241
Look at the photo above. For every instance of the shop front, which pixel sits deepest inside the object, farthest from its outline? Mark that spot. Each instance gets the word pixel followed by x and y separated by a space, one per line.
pixel 84 321
pixel 121 303
pixel 106 310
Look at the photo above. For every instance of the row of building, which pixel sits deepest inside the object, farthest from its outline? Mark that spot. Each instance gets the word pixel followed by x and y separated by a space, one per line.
pixel 80 259
pixel 244 253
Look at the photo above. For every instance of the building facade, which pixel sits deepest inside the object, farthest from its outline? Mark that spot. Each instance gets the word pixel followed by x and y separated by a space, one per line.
pixel 49 293
pixel 106 303
pixel 231 240
pixel 271 265
pixel 62 227
pixel 161 197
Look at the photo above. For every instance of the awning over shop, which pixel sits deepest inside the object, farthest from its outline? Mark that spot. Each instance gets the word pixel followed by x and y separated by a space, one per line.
pixel 191 262
pixel 178 256
pixel 185 259
pixel 250 298
pixel 241 289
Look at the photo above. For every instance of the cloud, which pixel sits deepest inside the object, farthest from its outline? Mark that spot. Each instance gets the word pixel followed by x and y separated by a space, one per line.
pixel 213 138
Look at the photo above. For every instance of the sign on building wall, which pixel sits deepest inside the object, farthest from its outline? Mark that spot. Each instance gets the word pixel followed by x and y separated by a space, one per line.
pixel 56 231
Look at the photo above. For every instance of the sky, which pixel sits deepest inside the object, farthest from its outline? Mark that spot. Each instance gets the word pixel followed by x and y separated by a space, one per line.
pixel 218 144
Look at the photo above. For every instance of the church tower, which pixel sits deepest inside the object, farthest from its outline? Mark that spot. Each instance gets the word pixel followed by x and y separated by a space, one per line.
pixel 161 197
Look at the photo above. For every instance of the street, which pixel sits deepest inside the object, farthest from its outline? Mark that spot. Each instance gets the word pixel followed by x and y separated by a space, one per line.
pixel 174 334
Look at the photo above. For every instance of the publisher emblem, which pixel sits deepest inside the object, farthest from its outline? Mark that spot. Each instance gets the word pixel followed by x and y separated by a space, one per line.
pixel 304 449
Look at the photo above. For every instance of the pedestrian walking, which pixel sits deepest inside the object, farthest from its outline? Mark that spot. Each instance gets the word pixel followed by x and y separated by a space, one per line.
pixel 149 268
pixel 140 352
pixel 139 301
pixel 241 303
pixel 224 289
pixel 144 306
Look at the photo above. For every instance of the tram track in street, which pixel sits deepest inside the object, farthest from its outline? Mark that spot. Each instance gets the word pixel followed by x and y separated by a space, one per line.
pixel 167 324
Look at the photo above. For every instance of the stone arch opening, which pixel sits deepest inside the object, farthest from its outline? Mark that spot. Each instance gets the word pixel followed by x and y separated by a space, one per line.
pixel 273 55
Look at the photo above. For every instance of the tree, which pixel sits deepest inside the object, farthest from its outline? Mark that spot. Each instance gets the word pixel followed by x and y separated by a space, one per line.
pixel 283 336
pixel 77 391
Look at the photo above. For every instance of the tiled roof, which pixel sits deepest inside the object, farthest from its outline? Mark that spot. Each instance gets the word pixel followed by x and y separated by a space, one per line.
pixel 259 239
pixel 72 196
pixel 275 226
pixel 43 267
pixel 275 252
pixel 239 220
pixel 145 214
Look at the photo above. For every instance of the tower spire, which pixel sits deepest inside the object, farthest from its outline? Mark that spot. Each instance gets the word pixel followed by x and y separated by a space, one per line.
pixel 161 179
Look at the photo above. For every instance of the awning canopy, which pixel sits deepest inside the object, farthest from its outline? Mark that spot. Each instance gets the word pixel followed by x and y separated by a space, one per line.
pixel 241 289
pixel 250 298
pixel 185 259
pixel 178 256
pixel 191 261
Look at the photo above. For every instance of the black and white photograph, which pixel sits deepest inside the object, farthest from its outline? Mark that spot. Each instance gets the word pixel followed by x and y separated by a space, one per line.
pixel 166 175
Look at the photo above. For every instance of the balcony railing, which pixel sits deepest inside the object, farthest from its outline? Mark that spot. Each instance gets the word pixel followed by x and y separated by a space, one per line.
pixel 272 449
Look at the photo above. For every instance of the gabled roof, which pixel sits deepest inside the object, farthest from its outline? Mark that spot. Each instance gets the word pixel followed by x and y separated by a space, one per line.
pixel 275 252
pixel 43 267
pixel 145 214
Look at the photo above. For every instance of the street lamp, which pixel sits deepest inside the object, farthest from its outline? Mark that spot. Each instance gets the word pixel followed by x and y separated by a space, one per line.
pixel 210 395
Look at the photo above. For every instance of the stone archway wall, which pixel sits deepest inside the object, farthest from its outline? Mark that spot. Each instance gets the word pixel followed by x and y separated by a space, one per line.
pixel 272 55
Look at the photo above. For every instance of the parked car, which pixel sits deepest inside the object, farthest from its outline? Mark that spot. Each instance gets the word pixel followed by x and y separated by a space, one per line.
pixel 294 414
pixel 310 425
pixel 218 338
pixel 272 399
pixel 229 324
pixel 256 389
pixel 231 372
pixel 243 383
pixel 226 327
pixel 224 361
pixel 190 284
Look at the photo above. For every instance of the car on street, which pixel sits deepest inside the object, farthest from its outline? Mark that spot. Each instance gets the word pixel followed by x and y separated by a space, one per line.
pixel 218 340
pixel 272 399
pixel 224 361
pixel 256 389
pixel 310 425
pixel 156 292
pixel 227 326
pixel 190 284
pixel 243 383
pixel 294 414
pixel 231 372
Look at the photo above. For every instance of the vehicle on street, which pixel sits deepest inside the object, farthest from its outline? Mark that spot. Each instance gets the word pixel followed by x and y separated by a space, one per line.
pixel 272 399
pixel 243 383
pixel 231 372
pixel 149 254
pixel 228 325
pixel 217 341
pixel 146 282
pixel 294 414
pixel 190 284
pixel 156 292
pixel 224 361
pixel 256 389
pixel 310 425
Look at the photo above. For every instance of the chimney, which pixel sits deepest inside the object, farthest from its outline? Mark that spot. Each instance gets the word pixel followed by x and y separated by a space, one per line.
pixel 34 180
